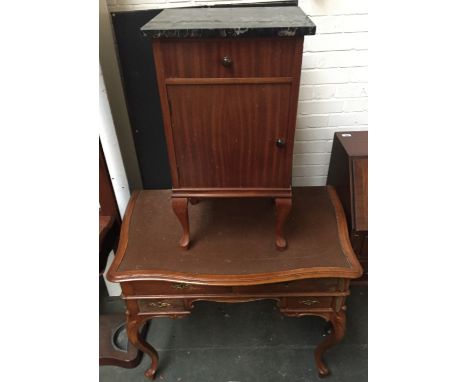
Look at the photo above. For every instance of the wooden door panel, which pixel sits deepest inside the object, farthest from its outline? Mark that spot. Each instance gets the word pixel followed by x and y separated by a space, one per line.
pixel 225 134
pixel 360 193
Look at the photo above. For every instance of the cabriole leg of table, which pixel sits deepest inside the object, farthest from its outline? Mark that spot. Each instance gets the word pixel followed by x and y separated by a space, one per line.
pixel 133 326
pixel 338 321
pixel 283 207
pixel 180 207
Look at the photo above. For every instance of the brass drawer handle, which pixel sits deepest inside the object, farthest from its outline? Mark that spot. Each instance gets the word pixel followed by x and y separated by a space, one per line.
pixel 159 304
pixel 181 286
pixel 309 302
pixel 226 61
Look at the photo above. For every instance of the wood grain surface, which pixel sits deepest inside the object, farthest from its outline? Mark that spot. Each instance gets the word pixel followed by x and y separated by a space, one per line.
pixel 225 135
pixel 360 188
pixel 231 244
pixel 250 57
pixel 348 173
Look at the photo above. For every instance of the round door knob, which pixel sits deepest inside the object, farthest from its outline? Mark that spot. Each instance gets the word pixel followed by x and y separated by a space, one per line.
pixel 280 142
pixel 227 61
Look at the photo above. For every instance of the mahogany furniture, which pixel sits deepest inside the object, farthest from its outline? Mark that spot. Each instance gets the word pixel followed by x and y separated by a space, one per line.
pixel 348 174
pixel 111 324
pixel 233 260
pixel 228 80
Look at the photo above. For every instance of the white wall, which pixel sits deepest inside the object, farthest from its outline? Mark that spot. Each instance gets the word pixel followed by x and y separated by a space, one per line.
pixel 113 82
pixel 333 93
pixel 111 150
pixel 110 147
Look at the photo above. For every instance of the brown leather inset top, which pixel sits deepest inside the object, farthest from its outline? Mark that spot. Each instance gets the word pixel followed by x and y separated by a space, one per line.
pixel 232 240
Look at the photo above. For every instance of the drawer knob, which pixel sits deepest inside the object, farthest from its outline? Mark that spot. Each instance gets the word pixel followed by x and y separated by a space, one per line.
pixel 227 61
pixel 280 142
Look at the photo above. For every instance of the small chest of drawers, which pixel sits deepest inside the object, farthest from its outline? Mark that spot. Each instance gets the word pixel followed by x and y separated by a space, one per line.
pixel 348 174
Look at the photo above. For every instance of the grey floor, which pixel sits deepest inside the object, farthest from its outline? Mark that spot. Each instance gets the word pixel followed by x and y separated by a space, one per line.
pixel 250 342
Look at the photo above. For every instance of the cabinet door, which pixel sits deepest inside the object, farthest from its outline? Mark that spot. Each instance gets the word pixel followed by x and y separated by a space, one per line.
pixel 225 134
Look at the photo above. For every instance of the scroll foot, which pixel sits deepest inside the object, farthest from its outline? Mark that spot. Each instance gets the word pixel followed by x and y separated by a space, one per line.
pixel 338 320
pixel 180 207
pixel 283 207
pixel 139 343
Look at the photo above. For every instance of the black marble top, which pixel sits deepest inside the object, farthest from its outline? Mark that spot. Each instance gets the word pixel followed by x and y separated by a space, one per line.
pixel 229 22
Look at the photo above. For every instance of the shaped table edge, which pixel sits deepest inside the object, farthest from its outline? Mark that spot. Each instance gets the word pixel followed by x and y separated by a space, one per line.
pixel 354 270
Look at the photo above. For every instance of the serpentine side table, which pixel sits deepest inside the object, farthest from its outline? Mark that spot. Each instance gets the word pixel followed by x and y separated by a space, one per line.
pixel 233 260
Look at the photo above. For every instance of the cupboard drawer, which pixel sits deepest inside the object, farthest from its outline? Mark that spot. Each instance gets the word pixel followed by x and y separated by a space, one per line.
pixel 158 288
pixel 228 57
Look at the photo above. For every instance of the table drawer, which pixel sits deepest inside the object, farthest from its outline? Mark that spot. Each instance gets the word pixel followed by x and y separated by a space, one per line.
pixel 228 57
pixel 165 288
pixel 325 285
pixel 163 306
pixel 307 303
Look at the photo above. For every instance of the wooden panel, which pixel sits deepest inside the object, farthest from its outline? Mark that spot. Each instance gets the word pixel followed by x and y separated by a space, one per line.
pixel 357 239
pixel 365 267
pixel 301 286
pixel 338 176
pixel 353 142
pixel 164 288
pixel 224 134
pixel 154 288
pixel 348 173
pixel 360 193
pixel 363 253
pixel 250 57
